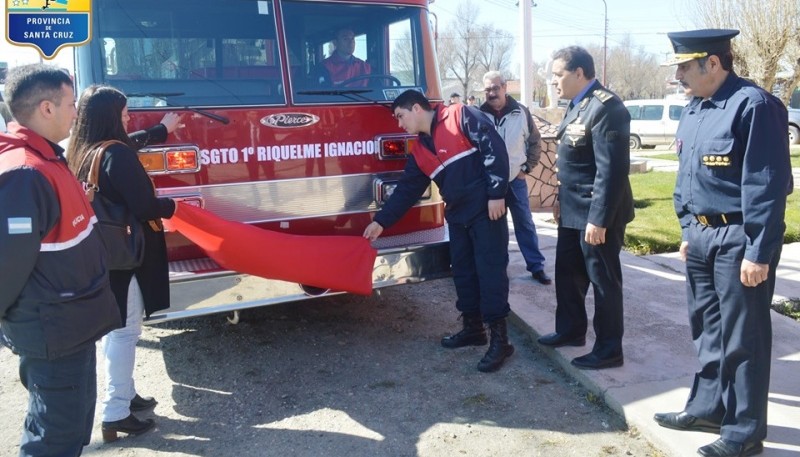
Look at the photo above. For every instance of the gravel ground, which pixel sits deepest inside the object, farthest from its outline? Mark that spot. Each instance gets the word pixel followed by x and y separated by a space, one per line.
pixel 346 376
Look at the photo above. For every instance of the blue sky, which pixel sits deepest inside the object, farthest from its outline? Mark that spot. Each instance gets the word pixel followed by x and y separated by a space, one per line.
pixel 559 23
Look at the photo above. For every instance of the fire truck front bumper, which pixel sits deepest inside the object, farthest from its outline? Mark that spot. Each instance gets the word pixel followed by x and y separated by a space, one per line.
pixel 198 289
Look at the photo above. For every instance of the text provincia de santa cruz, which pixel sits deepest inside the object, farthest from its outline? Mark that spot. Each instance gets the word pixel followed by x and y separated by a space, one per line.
pixel 48 33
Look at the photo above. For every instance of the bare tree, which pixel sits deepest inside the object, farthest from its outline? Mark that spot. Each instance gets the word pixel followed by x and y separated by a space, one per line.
pixel 459 46
pixel 792 61
pixel 495 54
pixel 769 38
pixel 403 57
pixel 540 78
pixel 632 72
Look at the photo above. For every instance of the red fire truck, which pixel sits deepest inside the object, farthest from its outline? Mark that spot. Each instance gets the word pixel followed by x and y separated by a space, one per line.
pixel 266 140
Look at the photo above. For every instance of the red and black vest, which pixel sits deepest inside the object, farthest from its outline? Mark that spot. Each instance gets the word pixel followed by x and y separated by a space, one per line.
pixel 77 217
pixel 450 141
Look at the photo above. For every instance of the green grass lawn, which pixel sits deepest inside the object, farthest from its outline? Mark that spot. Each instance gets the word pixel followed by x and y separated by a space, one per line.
pixel 664 156
pixel 790 308
pixel 655 228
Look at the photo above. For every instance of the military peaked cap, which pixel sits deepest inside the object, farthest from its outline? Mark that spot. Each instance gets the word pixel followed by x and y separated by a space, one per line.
pixel 696 44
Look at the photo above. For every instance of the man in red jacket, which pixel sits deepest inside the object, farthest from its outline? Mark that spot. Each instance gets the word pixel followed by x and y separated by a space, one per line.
pixel 55 298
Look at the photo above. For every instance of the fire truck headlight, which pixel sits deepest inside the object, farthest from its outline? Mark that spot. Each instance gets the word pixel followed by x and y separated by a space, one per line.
pixel 383 189
pixel 395 146
pixel 388 190
pixel 153 162
pixel 170 159
pixel 182 160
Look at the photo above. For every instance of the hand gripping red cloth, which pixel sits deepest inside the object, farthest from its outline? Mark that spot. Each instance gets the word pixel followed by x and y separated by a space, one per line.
pixel 330 262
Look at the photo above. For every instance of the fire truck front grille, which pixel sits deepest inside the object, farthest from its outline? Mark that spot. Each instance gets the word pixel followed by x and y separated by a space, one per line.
pixel 289 199
pixel 414 239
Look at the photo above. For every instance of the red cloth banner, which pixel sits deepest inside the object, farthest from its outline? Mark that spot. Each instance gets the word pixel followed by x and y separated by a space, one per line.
pixel 330 262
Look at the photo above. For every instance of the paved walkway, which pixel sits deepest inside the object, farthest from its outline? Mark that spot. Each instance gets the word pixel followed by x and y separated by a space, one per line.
pixel 660 358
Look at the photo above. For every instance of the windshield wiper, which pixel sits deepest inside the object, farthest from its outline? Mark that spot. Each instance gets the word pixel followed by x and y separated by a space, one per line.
pixel 163 96
pixel 350 94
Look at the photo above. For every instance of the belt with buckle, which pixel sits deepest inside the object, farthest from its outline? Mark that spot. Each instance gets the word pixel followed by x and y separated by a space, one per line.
pixel 719 220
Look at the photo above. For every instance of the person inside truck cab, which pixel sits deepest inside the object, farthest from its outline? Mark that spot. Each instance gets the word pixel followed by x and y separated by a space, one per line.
pixel 342 65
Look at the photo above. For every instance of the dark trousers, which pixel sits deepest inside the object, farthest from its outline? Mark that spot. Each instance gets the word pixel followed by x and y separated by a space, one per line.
pixel 61 399
pixel 732 332
pixel 579 264
pixel 479 258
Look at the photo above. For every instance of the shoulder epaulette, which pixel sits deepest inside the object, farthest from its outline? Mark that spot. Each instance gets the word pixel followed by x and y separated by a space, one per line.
pixel 603 95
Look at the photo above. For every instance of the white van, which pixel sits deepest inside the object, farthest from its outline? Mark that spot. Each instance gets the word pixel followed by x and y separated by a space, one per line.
pixel 655 121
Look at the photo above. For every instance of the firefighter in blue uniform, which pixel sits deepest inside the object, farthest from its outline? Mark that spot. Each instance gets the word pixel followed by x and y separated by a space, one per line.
pixel 461 151
pixel 595 204
pixel 730 197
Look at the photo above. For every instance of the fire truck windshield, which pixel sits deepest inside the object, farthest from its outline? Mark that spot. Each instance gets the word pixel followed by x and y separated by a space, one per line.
pixel 224 52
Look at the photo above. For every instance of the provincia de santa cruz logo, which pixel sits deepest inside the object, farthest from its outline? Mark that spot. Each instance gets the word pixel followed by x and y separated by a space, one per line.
pixel 48 25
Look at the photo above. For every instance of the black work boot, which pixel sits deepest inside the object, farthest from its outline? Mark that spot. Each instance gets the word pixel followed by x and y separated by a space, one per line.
pixel 131 425
pixel 499 349
pixel 473 333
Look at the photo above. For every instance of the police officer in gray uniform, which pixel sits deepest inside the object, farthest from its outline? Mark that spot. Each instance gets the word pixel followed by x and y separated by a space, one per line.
pixel 730 197
pixel 595 204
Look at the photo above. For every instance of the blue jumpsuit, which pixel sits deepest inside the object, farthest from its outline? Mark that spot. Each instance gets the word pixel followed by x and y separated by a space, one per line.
pixel 730 197
pixel 467 159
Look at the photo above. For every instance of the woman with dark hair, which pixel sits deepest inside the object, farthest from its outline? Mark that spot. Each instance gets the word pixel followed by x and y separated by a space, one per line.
pixel 103 115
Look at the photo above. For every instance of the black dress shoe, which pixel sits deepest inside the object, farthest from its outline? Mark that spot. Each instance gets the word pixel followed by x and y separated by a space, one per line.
pixel 557 340
pixel 142 403
pixel 542 277
pixel 591 361
pixel 727 448
pixel 685 421
pixel 130 425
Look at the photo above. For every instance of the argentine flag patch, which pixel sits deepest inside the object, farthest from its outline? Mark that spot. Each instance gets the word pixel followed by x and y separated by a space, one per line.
pixel 19 225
